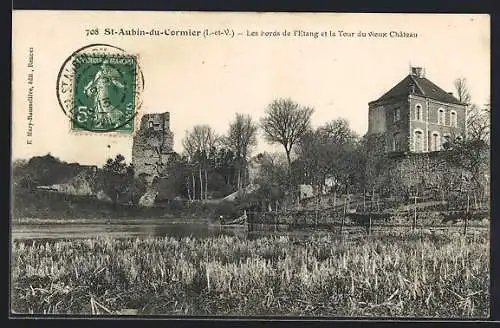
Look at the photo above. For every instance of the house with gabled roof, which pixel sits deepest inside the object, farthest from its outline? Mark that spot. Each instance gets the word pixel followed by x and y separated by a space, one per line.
pixel 416 115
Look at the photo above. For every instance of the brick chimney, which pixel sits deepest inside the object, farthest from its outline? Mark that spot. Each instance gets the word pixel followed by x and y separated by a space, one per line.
pixel 417 71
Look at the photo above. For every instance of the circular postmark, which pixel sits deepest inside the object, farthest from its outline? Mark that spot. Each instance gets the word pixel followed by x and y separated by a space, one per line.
pixel 99 88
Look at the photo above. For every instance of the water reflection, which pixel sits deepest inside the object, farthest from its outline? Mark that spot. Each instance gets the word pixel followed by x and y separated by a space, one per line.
pixel 178 230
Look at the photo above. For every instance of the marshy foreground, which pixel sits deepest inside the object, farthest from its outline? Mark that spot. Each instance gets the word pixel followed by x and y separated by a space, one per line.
pixel 394 274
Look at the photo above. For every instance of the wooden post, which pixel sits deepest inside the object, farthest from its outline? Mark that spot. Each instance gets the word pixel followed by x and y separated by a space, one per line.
pixel 276 221
pixel 343 216
pixel 206 184
pixel 342 225
pixel 364 200
pixel 334 199
pixel 475 201
pixel 249 221
pixel 348 197
pixel 194 187
pixel 317 208
pixel 466 218
pixel 378 205
pixel 373 199
pixel 415 215
pixel 201 184
pixel 370 225
pixel 468 202
pixel 345 206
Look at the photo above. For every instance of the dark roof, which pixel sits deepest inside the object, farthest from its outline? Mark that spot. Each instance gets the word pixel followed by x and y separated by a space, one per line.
pixel 423 87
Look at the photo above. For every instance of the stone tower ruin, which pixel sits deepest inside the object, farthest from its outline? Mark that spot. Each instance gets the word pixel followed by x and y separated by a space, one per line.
pixel 152 146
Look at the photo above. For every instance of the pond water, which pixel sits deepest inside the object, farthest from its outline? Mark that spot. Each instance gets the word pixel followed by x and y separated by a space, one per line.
pixel 116 230
pixel 177 230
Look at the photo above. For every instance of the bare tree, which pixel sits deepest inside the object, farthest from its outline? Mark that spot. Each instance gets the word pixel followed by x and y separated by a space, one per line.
pixel 241 138
pixel 478 123
pixel 285 122
pixel 197 145
pixel 462 90
pixel 477 117
pixel 471 154
pixel 201 138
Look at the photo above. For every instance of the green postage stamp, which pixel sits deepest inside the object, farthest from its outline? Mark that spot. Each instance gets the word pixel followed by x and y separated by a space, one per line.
pixel 100 93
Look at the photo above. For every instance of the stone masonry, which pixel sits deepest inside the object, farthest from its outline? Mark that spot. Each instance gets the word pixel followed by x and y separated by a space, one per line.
pixel 407 127
pixel 416 115
pixel 152 146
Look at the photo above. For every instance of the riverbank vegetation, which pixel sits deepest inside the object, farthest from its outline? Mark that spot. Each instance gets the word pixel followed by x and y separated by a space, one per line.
pixel 395 274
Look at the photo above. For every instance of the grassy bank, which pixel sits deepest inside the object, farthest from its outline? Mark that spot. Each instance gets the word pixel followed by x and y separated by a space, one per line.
pixel 39 206
pixel 392 275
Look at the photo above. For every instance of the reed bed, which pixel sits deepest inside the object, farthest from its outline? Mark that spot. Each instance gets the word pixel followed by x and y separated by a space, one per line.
pixel 396 275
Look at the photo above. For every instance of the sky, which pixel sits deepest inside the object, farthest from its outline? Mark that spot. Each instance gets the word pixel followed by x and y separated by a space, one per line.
pixel 207 80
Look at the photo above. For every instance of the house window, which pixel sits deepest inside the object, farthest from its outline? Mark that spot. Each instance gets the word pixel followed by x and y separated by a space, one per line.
pixel 441 116
pixel 435 142
pixel 395 142
pixel 150 124
pixel 418 141
pixel 453 119
pixel 418 112
pixel 397 114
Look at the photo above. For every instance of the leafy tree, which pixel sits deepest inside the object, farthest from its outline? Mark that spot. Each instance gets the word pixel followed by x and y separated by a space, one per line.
pixel 285 122
pixel 272 178
pixel 138 188
pixel 116 178
pixel 372 147
pixel 331 151
pixel 471 155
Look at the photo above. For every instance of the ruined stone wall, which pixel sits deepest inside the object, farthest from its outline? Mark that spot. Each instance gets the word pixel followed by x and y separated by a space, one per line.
pixel 152 145
pixel 425 173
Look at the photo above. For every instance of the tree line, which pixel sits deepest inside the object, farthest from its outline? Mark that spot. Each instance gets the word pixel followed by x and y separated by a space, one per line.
pixel 212 166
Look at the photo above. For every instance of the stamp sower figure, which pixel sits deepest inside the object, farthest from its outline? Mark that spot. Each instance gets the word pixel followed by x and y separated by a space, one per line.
pixel 106 114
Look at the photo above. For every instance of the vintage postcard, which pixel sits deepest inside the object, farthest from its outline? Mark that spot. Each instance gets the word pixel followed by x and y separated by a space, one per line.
pixel 284 165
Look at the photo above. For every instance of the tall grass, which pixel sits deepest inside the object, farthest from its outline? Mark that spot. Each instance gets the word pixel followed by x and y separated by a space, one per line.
pixel 400 275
